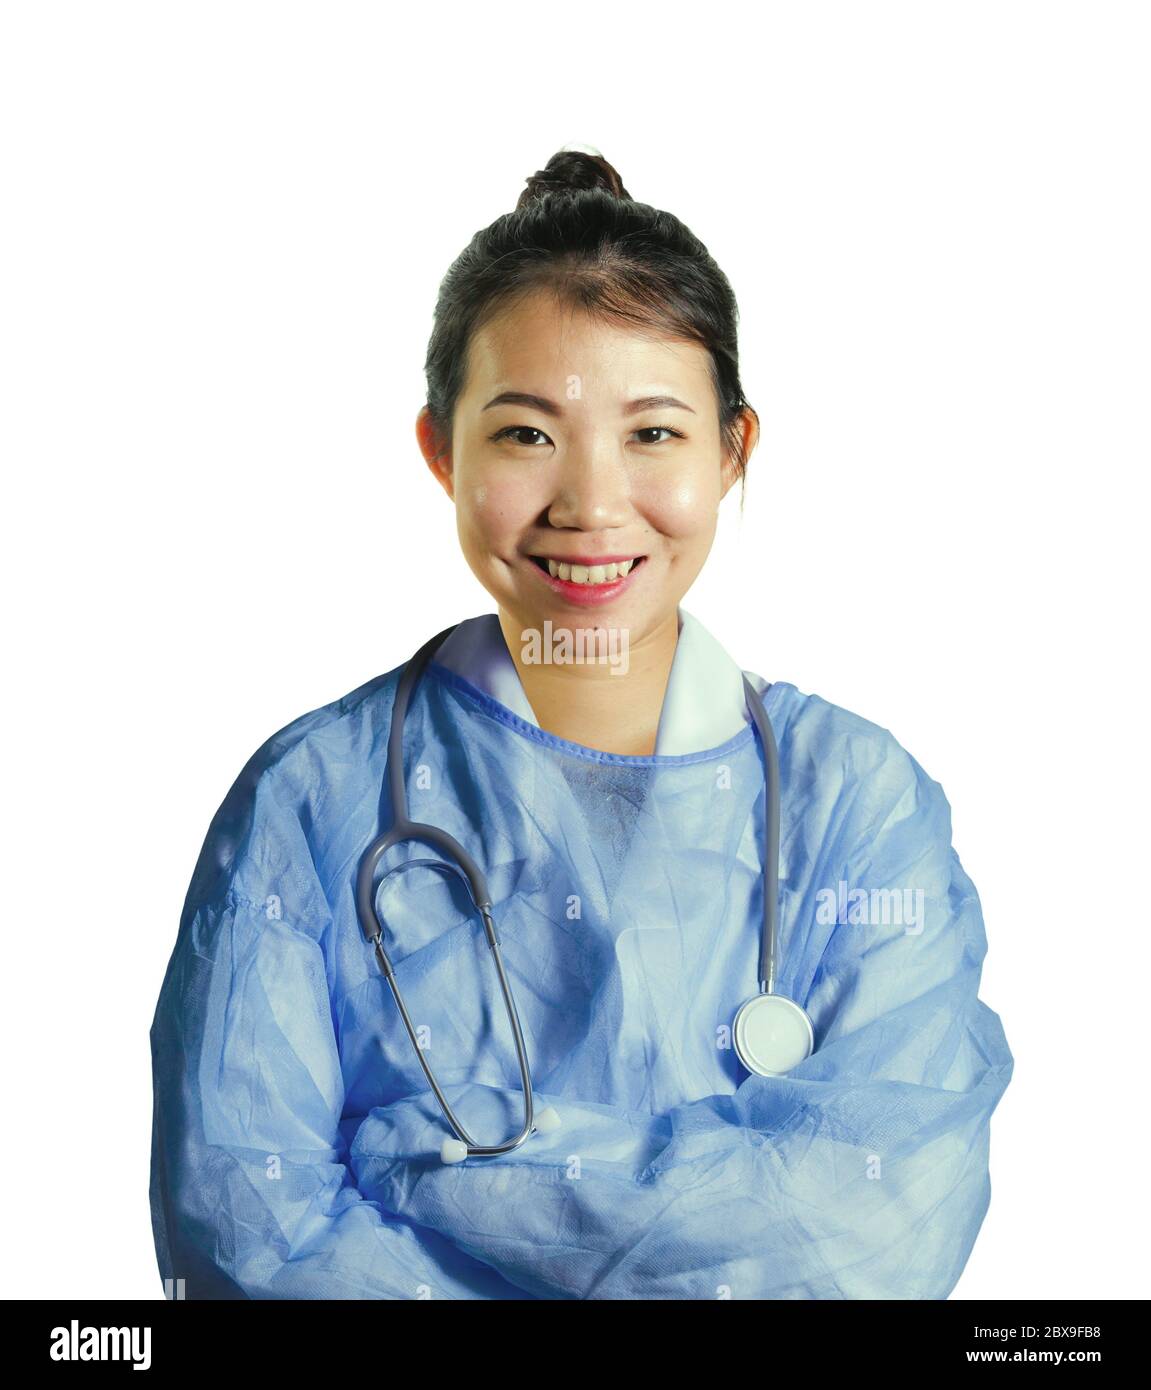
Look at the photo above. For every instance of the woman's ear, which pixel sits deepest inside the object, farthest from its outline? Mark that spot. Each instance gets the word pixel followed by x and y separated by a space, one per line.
pixel 436 453
pixel 747 432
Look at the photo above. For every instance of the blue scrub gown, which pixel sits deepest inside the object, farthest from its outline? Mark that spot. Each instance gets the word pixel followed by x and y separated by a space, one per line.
pixel 296 1145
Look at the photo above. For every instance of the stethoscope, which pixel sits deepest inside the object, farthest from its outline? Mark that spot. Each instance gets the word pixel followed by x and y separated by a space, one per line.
pixel 771 1033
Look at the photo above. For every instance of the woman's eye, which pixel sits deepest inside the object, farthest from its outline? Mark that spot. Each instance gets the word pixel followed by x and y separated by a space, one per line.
pixel 517 429
pixel 658 429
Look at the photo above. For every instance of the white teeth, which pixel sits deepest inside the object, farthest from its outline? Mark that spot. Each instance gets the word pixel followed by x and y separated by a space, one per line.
pixel 584 574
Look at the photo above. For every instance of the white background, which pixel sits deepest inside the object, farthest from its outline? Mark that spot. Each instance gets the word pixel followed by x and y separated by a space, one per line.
pixel 224 229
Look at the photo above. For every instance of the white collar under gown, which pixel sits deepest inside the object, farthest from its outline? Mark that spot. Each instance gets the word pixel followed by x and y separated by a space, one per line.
pixel 295 1149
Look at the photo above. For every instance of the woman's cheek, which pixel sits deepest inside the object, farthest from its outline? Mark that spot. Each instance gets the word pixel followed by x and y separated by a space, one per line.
pixel 504 504
pixel 491 520
pixel 685 510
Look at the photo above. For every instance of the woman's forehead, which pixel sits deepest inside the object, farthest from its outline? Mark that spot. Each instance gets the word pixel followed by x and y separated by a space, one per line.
pixel 538 346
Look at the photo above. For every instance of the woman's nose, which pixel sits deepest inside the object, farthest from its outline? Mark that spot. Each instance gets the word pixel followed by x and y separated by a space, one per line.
pixel 592 493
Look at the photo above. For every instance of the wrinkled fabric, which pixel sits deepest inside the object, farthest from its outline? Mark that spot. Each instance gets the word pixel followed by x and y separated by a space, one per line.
pixel 296 1144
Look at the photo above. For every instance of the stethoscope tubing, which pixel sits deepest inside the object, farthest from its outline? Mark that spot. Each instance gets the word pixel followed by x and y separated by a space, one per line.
pixel 402 830
pixel 771 781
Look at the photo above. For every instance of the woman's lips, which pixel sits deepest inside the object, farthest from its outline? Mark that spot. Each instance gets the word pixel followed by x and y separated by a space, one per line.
pixel 589 595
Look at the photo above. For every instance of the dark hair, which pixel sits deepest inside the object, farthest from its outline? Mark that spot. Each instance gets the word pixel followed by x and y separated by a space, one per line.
pixel 577 231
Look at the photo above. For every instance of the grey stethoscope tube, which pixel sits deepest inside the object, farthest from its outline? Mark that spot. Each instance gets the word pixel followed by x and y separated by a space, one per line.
pixel 404 829
pixel 772 1033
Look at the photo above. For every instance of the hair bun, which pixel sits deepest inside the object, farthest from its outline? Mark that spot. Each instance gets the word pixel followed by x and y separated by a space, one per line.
pixel 569 171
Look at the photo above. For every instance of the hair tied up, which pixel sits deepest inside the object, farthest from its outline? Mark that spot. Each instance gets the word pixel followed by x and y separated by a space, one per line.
pixel 570 171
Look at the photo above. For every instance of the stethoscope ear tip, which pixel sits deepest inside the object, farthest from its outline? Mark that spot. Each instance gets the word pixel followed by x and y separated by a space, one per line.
pixel 548 1120
pixel 453 1151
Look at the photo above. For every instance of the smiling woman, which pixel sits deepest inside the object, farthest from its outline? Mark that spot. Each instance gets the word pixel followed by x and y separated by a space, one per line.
pixel 656 833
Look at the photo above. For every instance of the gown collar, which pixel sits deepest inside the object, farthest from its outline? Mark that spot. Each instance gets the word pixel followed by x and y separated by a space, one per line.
pixel 704 704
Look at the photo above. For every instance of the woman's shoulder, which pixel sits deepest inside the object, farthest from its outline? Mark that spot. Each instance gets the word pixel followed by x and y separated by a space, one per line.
pixel 318 759
pixel 836 743
pixel 328 731
pixel 343 718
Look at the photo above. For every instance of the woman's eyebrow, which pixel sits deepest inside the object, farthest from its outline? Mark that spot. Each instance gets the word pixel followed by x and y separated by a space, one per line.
pixel 548 407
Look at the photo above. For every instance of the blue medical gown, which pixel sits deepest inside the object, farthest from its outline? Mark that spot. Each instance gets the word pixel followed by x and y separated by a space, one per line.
pixel 295 1142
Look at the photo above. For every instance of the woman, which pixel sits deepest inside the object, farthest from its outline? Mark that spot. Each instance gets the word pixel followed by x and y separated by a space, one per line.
pixel 586 417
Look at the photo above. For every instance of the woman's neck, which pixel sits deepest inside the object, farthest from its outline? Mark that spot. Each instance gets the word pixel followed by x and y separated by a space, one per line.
pixel 611 706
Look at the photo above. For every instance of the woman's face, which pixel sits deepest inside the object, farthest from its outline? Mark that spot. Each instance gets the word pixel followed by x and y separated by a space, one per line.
pixel 561 453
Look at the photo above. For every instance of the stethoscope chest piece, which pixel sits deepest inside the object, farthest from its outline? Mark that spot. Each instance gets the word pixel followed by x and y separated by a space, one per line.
pixel 772 1034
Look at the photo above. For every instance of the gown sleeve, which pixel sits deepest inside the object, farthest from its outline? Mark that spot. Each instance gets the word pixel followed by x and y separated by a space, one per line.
pixel 861 1175
pixel 251 1195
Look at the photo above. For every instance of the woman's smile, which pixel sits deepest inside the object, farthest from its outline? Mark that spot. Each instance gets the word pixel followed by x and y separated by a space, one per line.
pixel 588 580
